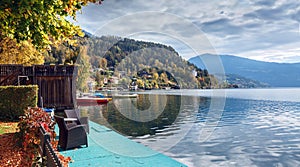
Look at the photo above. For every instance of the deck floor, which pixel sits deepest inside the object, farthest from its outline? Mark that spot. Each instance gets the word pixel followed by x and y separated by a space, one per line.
pixel 110 149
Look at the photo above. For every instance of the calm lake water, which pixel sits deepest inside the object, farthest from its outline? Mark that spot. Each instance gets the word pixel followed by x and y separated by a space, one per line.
pixel 237 127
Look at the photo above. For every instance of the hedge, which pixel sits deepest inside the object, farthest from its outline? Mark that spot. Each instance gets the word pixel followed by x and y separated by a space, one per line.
pixel 14 100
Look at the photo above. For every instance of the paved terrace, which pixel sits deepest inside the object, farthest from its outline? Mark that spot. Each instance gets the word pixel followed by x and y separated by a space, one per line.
pixel 110 149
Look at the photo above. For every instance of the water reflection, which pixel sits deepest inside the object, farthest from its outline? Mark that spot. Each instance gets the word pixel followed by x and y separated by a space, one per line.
pixel 123 114
pixel 170 125
pixel 249 133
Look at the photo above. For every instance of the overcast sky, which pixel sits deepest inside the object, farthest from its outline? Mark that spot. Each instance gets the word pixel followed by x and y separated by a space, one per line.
pixel 257 29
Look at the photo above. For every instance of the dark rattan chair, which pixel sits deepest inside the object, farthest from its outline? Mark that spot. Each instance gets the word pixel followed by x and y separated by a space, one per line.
pixel 70 135
pixel 75 113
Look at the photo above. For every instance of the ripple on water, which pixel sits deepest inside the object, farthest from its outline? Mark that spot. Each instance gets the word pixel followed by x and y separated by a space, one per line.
pixel 249 133
pixel 265 133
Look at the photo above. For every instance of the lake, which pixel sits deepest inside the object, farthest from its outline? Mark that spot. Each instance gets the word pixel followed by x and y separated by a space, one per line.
pixel 234 127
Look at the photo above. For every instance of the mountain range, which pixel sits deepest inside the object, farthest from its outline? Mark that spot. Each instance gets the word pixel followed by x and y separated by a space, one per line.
pixel 270 73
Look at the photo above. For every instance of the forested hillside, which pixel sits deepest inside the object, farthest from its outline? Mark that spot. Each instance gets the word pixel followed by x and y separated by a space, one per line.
pixel 125 57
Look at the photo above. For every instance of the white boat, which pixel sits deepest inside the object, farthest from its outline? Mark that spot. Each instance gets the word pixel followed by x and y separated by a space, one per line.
pixel 124 95
pixel 133 87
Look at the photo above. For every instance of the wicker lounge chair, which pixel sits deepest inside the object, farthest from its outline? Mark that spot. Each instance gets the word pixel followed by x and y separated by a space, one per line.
pixel 80 120
pixel 70 135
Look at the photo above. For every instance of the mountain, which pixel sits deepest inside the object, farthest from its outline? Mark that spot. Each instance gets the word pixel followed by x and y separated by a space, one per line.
pixel 124 58
pixel 237 81
pixel 274 74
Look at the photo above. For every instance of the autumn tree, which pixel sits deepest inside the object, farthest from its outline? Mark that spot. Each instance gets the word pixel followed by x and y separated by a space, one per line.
pixel 84 67
pixel 39 23
pixel 22 53
pixel 103 63
pixel 99 79
pixel 140 83
pixel 163 77
pixel 155 76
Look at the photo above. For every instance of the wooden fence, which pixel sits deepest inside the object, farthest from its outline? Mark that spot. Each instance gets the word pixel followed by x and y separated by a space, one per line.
pixel 57 83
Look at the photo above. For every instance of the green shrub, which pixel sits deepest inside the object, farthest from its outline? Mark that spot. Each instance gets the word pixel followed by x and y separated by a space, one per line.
pixel 14 100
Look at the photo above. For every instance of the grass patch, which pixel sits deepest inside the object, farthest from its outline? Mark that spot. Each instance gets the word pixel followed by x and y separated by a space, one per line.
pixel 8 127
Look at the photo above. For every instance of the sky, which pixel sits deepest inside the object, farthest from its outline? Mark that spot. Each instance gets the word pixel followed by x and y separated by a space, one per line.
pixel 263 30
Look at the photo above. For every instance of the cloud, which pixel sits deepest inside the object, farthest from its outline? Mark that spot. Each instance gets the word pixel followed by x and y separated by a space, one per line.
pixel 267 13
pixel 232 27
pixel 221 27
pixel 296 16
pixel 267 3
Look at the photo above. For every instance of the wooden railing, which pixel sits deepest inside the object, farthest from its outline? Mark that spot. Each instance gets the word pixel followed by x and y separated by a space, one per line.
pixel 38 70
pixel 53 70
pixel 46 150
pixel 8 69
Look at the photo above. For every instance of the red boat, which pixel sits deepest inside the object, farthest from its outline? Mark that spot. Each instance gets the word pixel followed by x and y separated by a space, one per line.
pixel 92 101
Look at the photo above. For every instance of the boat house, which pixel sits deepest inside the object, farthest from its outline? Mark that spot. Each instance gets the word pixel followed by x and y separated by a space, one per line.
pixel 57 88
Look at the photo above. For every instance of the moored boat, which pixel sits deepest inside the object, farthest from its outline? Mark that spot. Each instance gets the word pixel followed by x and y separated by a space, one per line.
pixel 125 95
pixel 90 101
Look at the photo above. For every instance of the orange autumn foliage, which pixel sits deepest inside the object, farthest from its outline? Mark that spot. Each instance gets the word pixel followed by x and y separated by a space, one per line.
pixel 28 135
pixel 10 155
